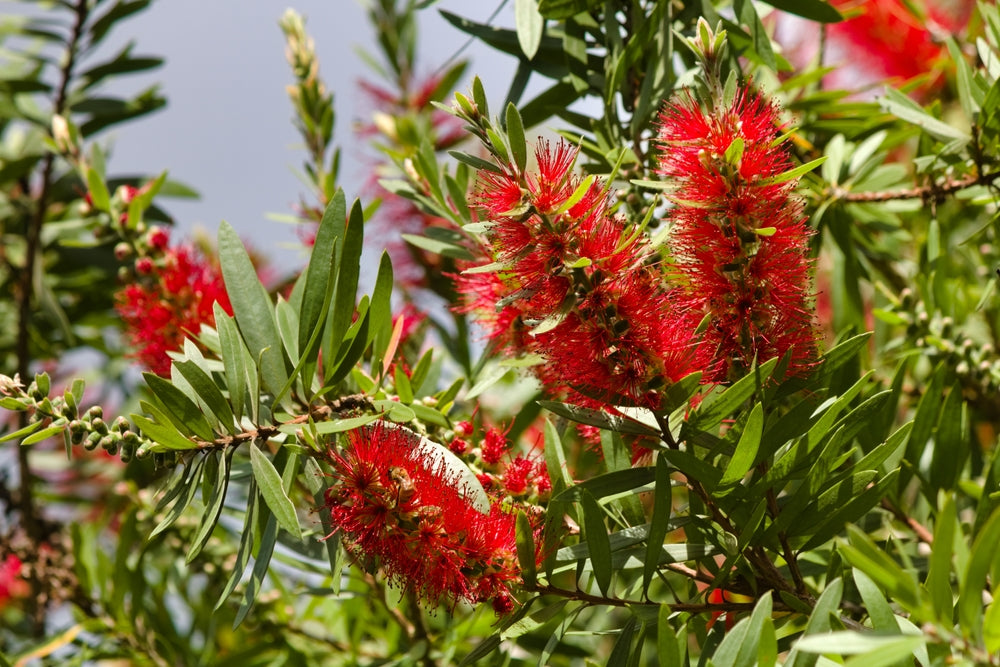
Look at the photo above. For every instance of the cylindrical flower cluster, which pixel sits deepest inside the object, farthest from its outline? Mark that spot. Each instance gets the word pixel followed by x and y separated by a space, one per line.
pixel 403 511
pixel 174 291
pixel 739 239
pixel 574 284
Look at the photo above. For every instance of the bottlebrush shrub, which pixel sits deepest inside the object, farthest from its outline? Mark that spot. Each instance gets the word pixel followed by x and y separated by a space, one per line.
pixel 309 482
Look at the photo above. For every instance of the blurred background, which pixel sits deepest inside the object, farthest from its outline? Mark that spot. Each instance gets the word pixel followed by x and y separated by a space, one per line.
pixel 227 129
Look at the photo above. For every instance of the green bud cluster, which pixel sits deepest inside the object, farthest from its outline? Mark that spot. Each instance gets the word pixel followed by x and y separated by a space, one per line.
pixel 87 428
pixel 976 364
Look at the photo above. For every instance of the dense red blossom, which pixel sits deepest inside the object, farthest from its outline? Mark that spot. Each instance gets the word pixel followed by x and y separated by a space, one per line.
pixel 577 287
pixel 739 240
pixel 880 41
pixel 401 510
pixel 169 300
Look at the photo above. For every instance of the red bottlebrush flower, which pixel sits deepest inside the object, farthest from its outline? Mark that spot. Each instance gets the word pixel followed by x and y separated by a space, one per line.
pixel 879 41
pixel 401 509
pixel 170 300
pixel 577 288
pixel 740 240
pixel 494 446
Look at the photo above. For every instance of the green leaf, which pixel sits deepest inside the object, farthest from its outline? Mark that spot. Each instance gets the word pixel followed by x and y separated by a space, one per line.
pixel 190 487
pixel 620 652
pixel 319 273
pixel 814 10
pixel 44 434
pixel 739 648
pixel 906 109
pixel 881 615
pixel 526 549
pixel 162 433
pixel 795 172
pixel 718 406
pixel 235 359
pixel 950 441
pixel 597 539
pixel 477 163
pixel 268 539
pixel 866 556
pixel 269 483
pixel 991 625
pixel 247 538
pixel 819 621
pixel 219 479
pixel 746 450
pixel 209 392
pixel 659 522
pixel 530 26
pixel 938 582
pixel 867 647
pixel 599 418
pixel 181 410
pixel 515 136
pixel 252 308
pixel 97 189
pixel 27 430
pixel 609 484
pixel 983 558
pixel 438 246
pixel 564 9
pixel 530 623
pixel 348 272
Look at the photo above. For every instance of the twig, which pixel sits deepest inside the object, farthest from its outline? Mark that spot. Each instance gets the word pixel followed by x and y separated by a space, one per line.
pixel 921 531
pixel 931 192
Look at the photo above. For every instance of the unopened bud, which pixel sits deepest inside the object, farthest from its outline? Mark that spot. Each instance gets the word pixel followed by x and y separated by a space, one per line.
pixel 123 251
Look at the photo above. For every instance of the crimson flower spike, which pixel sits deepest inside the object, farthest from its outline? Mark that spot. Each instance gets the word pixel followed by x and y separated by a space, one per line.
pixel 401 509
pixel 739 239
pixel 578 286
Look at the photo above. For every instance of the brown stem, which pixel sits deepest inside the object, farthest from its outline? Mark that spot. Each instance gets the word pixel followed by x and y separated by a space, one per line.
pixel 921 531
pixel 789 554
pixel 690 607
pixel 24 298
pixel 408 628
pixel 931 192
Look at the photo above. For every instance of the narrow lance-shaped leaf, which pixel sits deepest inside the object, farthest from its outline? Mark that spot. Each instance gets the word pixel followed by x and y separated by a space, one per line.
pixel 319 273
pixel 269 482
pixel 597 541
pixel 525 548
pixel 746 449
pixel 348 271
pixel 252 308
pixel 659 523
pixel 181 410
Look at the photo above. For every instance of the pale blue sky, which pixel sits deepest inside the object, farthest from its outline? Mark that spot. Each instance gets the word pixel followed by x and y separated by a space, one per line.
pixel 227 128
